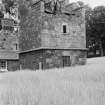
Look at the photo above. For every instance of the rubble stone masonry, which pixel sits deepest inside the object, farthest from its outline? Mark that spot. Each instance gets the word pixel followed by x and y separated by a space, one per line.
pixel 48 40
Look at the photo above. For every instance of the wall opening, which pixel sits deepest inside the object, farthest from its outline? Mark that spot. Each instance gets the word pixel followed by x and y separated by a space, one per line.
pixel 3 65
pixel 66 61
pixel 64 29
pixel 40 65
pixel 16 45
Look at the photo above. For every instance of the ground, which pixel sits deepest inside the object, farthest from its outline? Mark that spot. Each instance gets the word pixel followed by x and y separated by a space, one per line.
pixel 80 85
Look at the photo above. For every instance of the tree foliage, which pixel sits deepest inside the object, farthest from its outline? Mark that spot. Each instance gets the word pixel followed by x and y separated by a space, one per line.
pixel 8 4
pixel 95 28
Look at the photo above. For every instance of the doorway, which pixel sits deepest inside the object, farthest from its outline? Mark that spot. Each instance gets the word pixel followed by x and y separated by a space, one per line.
pixel 66 61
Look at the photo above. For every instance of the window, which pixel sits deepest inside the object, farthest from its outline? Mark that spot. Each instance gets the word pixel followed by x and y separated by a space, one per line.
pixel 3 64
pixel 64 29
pixel 16 46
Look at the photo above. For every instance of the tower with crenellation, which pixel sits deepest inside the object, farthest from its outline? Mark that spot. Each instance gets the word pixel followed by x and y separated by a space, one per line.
pixel 53 35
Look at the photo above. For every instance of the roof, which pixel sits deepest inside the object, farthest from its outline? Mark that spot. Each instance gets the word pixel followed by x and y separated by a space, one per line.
pixel 46 48
pixel 9 55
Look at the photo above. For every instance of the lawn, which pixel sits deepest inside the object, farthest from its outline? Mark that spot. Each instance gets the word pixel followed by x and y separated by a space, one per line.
pixel 80 85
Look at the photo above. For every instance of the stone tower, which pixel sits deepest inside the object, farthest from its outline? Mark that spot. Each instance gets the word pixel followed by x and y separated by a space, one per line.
pixel 53 36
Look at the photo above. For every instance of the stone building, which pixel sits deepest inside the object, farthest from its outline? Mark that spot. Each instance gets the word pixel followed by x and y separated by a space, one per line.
pixel 53 35
pixel 9 50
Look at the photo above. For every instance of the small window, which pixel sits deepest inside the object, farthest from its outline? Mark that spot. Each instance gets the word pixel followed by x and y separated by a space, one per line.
pixel 64 29
pixel 15 46
pixel 3 64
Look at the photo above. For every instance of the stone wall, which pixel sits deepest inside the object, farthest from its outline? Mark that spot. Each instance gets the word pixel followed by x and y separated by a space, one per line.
pixel 44 30
pixel 8 41
pixel 30 60
pixel 43 42
pixel 13 65
pixel 44 59
pixel 54 58
pixel 9 35
pixel 30 28
pixel 52 31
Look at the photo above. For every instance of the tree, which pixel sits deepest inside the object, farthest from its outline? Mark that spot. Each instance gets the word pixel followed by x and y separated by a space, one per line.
pixel 98 26
pixel 95 28
pixel 1 15
pixel 8 4
pixel 89 22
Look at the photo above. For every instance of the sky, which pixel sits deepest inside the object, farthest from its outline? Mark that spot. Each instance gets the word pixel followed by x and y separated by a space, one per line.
pixel 92 3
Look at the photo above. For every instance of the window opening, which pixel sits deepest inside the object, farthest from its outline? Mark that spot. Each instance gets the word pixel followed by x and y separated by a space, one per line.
pixel 16 46
pixel 64 29
pixel 3 64
pixel 66 61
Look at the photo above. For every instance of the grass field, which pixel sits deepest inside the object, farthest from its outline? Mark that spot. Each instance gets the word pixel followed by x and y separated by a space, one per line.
pixel 82 85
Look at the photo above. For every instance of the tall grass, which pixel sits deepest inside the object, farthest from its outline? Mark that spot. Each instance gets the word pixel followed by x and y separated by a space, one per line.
pixel 70 86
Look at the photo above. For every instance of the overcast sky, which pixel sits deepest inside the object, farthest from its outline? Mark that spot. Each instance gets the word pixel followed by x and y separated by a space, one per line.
pixel 92 3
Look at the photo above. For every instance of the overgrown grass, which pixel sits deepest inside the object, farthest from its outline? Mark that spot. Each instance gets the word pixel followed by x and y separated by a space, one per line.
pixel 83 85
